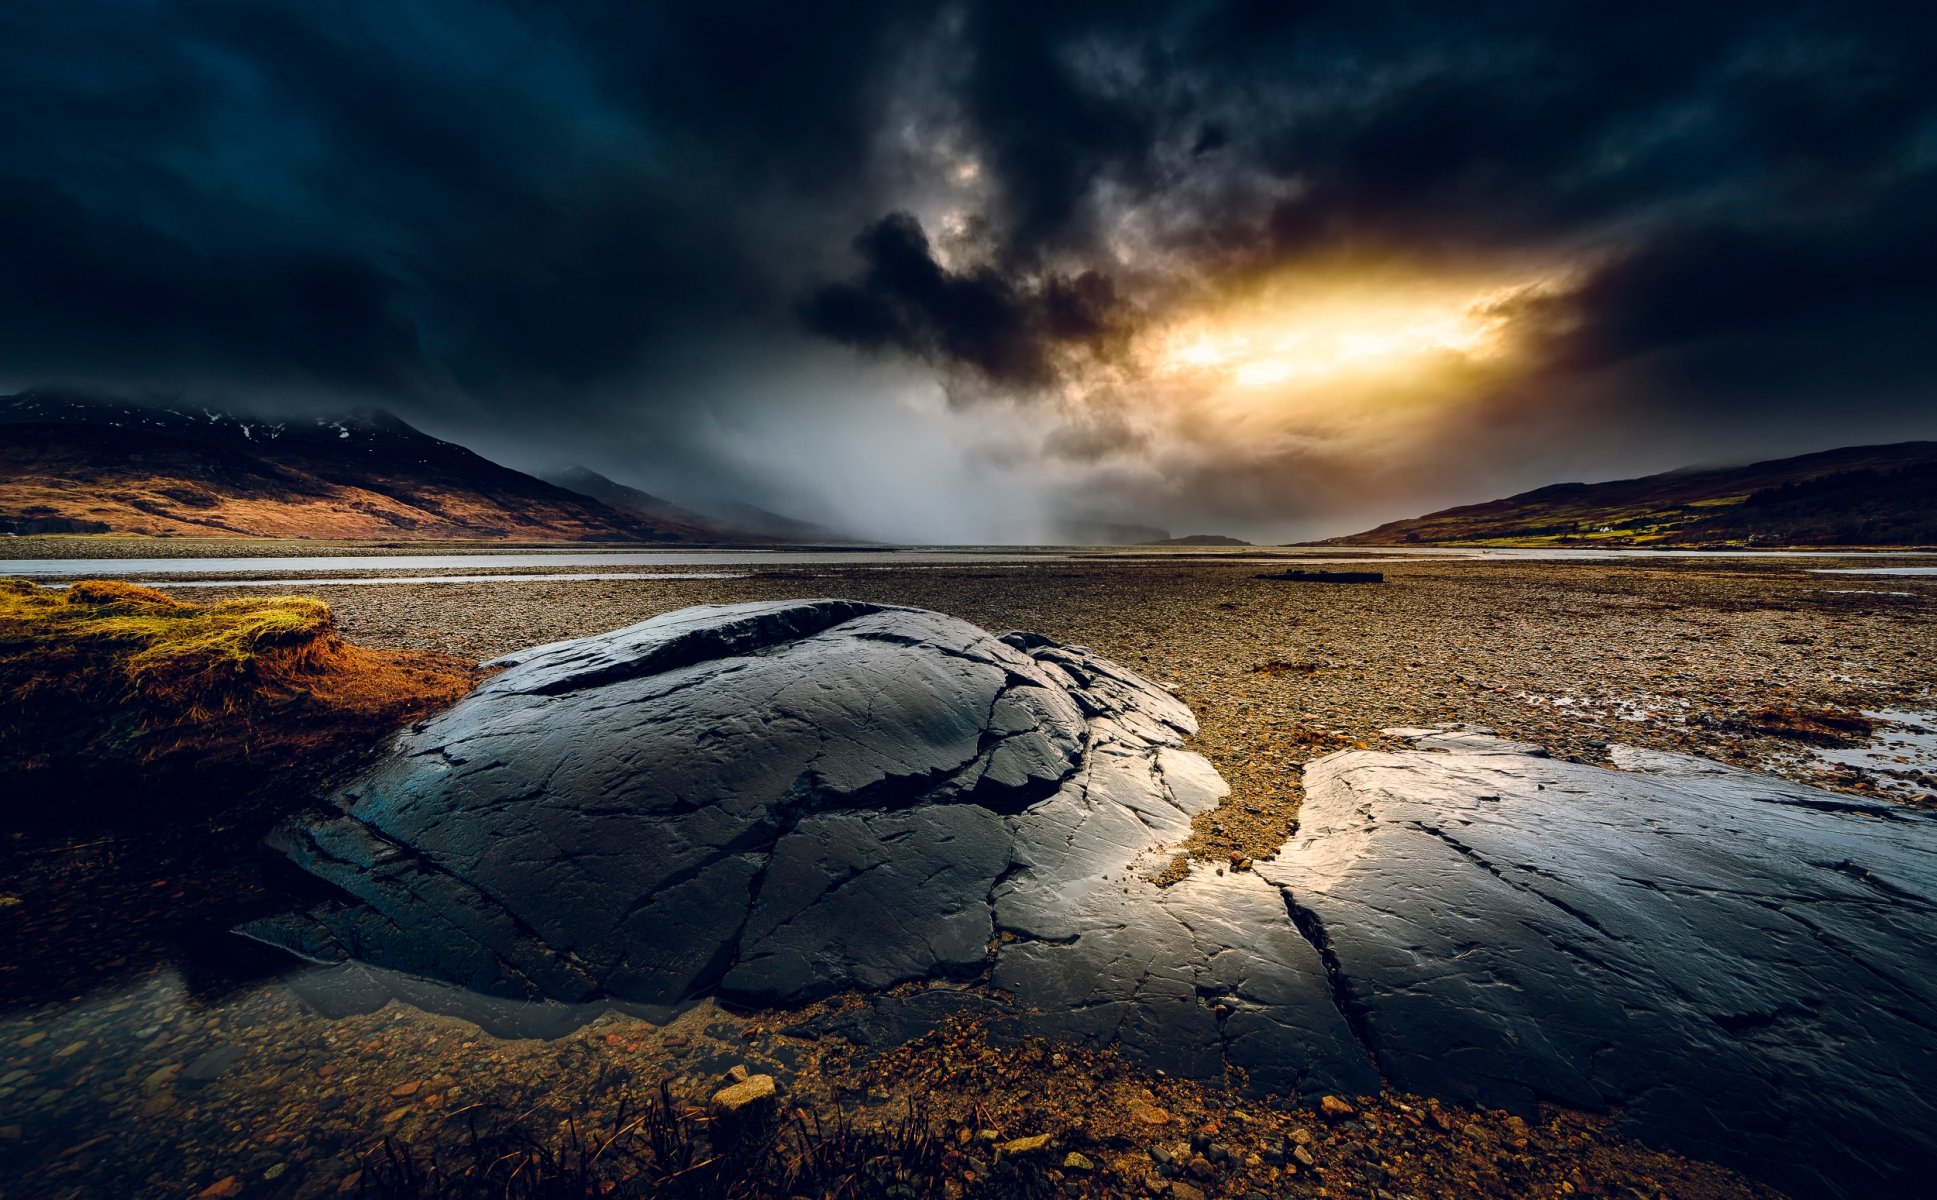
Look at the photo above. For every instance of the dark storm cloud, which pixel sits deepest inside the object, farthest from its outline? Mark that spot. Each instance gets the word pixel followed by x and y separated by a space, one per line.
pixel 1778 153
pixel 1009 333
pixel 564 216
pixel 470 196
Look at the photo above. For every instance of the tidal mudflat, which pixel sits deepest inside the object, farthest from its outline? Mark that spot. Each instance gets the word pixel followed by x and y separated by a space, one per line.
pixel 144 1051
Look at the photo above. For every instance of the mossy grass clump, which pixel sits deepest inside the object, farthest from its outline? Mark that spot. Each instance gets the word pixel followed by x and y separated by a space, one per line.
pixel 110 637
pixel 107 685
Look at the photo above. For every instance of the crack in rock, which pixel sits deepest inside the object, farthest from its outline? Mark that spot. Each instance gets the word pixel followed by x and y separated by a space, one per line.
pixel 770 803
pixel 1735 966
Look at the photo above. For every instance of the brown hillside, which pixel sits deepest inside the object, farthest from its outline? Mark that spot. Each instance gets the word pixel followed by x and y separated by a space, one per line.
pixel 1856 496
pixel 82 466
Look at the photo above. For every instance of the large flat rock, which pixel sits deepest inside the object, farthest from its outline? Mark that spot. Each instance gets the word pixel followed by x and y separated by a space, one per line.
pixel 771 803
pixel 1736 966
pixel 774 802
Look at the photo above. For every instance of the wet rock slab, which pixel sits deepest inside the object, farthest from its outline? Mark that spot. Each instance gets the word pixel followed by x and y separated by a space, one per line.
pixel 774 802
pixel 771 803
pixel 1740 967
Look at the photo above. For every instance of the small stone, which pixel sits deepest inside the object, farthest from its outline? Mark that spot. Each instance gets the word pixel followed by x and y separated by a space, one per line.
pixel 1334 1109
pixel 404 1089
pixel 1517 1132
pixel 1077 1162
pixel 737 1073
pixel 1148 1113
pixel 210 1066
pixel 276 1171
pixel 1034 1144
pixel 161 1077
pixel 1179 1190
pixel 1302 1156
pixel 221 1189
pixel 751 1094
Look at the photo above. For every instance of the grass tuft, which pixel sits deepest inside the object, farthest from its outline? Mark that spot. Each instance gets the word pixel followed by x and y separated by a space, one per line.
pixel 107 677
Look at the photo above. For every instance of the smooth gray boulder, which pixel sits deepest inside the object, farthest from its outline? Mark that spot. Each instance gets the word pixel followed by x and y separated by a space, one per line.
pixel 774 802
pixel 1736 966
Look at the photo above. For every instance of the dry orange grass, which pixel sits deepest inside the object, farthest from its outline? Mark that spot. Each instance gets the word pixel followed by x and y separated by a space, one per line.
pixel 107 677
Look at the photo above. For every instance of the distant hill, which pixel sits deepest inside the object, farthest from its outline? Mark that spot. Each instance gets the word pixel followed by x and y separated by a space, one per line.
pixel 772 526
pixel 1076 532
pixel 78 464
pixel 1199 539
pixel 1857 496
pixel 661 514
pixel 740 524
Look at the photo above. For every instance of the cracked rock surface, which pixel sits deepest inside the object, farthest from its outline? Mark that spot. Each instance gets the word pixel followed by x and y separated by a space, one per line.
pixel 1741 967
pixel 773 802
pixel 778 801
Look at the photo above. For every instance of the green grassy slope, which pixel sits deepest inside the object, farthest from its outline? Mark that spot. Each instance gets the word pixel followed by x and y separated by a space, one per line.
pixel 1857 496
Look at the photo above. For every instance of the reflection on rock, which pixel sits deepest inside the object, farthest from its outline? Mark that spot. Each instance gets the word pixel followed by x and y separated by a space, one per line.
pixel 774 802
pixel 1739 966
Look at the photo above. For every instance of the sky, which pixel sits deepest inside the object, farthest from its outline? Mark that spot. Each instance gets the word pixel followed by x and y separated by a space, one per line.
pixel 973 272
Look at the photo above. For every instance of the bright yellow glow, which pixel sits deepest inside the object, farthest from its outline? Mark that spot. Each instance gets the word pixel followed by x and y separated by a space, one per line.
pixel 1319 332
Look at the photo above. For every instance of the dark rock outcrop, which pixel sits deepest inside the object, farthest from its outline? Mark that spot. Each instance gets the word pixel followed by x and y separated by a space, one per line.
pixel 773 802
pixel 1739 967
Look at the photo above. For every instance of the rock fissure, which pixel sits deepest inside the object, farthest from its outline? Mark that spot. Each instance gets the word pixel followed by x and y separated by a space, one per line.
pixel 873 795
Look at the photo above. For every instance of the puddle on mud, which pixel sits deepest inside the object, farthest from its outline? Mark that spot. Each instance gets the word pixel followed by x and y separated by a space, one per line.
pixel 1901 757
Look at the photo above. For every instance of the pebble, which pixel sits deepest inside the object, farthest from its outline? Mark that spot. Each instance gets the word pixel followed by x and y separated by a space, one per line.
pixel 748 1095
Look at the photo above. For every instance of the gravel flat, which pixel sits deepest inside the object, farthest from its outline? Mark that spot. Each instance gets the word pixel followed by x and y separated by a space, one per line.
pixel 1734 660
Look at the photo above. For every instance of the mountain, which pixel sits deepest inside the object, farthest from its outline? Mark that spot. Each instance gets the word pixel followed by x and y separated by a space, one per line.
pixel 1856 496
pixel 1078 532
pixel 1199 539
pixel 772 526
pixel 736 523
pixel 661 514
pixel 79 464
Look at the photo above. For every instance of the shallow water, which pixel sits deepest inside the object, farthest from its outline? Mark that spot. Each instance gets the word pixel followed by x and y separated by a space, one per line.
pixel 549 559
pixel 886 556
pixel 535 577
pixel 163 1086
pixel 1903 747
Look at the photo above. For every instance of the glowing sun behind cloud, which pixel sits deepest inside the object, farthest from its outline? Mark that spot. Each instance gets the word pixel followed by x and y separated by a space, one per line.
pixel 1321 333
